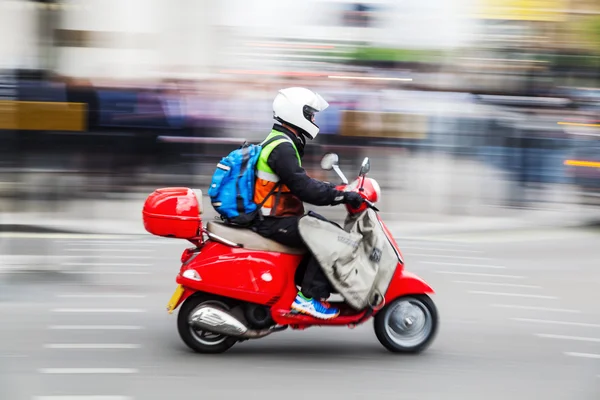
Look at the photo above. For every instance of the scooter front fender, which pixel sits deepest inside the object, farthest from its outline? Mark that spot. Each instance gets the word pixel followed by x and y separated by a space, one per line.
pixel 406 283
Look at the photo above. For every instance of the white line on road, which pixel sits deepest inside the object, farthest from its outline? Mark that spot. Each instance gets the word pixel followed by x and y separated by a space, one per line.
pixel 542 321
pixel 105 272
pixel 105 243
pixel 114 239
pixel 88 371
pixel 446 256
pixel 95 285
pixel 480 274
pixel 95 327
pixel 23 235
pixel 562 337
pixel 98 310
pixel 111 250
pixel 95 264
pixel 83 397
pixel 464 265
pixel 517 307
pixel 432 249
pixel 100 296
pixel 531 296
pixel 583 355
pixel 92 346
pixel 436 242
pixel 499 284
pixel 109 257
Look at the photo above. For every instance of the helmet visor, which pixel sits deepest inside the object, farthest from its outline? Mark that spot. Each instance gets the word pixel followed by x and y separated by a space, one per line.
pixel 318 103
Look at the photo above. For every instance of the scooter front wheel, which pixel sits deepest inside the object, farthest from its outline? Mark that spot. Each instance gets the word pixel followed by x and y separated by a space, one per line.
pixel 197 340
pixel 407 325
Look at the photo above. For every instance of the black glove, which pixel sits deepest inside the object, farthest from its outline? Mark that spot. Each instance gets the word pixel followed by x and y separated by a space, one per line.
pixel 353 199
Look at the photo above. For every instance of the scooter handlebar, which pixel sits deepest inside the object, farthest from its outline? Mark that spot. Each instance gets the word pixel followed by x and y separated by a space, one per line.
pixel 369 204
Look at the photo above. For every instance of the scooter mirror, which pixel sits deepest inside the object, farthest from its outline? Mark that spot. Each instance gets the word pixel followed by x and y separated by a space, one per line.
pixel 329 160
pixel 365 167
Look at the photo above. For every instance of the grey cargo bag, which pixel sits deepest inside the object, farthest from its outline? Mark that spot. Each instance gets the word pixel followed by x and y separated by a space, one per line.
pixel 359 260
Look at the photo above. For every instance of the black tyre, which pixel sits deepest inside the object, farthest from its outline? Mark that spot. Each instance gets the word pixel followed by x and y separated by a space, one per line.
pixel 201 341
pixel 407 325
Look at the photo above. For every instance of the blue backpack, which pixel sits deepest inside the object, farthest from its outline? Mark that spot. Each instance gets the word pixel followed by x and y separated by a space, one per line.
pixel 231 190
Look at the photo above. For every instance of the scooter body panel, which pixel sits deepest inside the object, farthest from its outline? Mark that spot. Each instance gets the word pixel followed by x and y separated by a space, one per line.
pixel 254 276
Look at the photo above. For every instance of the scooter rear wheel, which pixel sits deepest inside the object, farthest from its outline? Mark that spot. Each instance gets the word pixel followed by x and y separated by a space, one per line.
pixel 407 325
pixel 197 340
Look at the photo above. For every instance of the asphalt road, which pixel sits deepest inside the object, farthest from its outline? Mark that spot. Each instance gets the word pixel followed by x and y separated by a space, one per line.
pixel 520 319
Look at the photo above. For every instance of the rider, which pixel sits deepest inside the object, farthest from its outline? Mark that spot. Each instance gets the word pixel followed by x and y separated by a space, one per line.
pixel 280 163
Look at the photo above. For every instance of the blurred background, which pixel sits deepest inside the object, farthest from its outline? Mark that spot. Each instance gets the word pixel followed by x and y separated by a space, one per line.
pixel 466 105
pixel 478 116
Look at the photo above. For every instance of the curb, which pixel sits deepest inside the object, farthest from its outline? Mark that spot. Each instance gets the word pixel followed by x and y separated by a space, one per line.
pixel 399 232
pixel 23 228
pixel 492 230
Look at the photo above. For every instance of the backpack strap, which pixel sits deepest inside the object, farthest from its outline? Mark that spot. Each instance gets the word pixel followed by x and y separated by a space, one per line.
pixel 245 159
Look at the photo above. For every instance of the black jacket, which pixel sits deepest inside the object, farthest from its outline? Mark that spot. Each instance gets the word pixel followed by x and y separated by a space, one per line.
pixel 285 164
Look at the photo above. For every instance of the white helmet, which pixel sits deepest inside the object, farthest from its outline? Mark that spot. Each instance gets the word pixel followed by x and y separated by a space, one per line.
pixel 297 106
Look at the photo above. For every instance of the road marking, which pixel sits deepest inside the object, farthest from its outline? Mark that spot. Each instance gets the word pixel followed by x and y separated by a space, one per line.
pixel 104 243
pixel 517 307
pixel 100 296
pixel 575 338
pixel 433 241
pixel 432 249
pixel 92 346
pixel 531 296
pixel 95 327
pixel 480 274
pixel 446 256
pixel 541 321
pixel 23 235
pixel 109 257
pixel 83 397
pixel 94 285
pixel 98 310
pixel 464 265
pixel 105 272
pixel 111 250
pixel 106 265
pixel 88 371
pixel 583 355
pixel 499 284
pixel 94 240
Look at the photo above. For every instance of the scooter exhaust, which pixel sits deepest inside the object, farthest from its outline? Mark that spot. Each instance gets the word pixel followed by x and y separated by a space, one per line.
pixel 217 321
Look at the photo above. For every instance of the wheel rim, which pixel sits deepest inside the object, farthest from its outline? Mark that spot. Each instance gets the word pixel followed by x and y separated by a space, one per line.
pixel 204 337
pixel 408 323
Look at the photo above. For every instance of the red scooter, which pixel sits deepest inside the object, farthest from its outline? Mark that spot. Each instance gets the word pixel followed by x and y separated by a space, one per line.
pixel 235 285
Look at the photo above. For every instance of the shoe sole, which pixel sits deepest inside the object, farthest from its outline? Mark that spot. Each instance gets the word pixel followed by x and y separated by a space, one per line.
pixel 319 316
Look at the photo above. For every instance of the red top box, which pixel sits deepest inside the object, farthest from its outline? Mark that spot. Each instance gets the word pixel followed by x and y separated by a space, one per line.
pixel 173 212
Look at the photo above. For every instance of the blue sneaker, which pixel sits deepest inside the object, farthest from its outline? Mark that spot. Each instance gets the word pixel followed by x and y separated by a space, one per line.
pixel 314 308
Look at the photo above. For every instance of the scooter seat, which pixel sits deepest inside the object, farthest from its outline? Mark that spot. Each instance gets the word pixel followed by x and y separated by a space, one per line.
pixel 249 239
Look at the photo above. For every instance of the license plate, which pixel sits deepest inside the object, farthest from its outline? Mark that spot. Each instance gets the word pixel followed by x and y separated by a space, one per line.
pixel 175 299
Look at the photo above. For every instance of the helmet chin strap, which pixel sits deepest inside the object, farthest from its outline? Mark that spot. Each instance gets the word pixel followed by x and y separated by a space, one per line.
pixel 302 137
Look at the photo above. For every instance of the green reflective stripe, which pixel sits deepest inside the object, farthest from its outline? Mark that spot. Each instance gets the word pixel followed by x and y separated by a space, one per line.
pixel 262 164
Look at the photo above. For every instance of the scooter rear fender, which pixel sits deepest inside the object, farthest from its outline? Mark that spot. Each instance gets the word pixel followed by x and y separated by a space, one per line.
pixel 254 276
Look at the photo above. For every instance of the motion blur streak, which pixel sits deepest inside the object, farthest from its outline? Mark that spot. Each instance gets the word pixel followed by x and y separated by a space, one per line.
pixel 370 78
